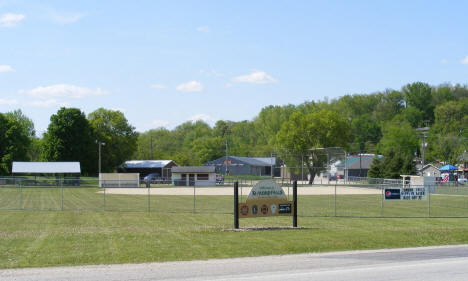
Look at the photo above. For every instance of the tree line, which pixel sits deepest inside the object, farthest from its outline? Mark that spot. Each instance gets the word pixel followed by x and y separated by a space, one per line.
pixel 381 123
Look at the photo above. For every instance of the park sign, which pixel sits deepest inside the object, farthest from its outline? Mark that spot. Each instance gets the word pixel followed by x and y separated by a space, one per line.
pixel 407 193
pixel 266 198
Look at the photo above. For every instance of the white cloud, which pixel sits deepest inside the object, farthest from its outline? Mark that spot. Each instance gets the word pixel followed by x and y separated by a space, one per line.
pixel 227 85
pixel 159 123
pixel 8 102
pixel 192 86
pixel 465 60
pixel 200 116
pixel 6 68
pixel 443 61
pixel 256 77
pixel 66 18
pixel 10 20
pixel 203 29
pixel 157 86
pixel 48 103
pixel 62 91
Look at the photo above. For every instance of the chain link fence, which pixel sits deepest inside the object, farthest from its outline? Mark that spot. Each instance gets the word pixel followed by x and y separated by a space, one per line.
pixel 358 198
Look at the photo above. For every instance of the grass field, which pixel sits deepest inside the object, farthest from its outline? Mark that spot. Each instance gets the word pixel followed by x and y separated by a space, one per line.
pixel 127 232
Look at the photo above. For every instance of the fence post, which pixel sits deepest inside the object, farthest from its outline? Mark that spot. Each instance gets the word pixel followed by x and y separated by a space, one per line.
pixel 149 201
pixel 428 201
pixel 104 199
pixel 236 205
pixel 382 199
pixel 335 199
pixel 21 195
pixel 193 198
pixel 61 195
pixel 295 203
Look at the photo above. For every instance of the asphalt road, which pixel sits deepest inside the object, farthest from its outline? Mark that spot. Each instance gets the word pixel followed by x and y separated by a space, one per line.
pixel 429 263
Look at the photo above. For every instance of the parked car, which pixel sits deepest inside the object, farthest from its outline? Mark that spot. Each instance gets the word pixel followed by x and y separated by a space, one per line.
pixel 151 177
pixel 219 179
pixel 462 180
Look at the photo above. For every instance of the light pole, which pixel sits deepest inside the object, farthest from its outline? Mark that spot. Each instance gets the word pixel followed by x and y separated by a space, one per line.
pixel 100 144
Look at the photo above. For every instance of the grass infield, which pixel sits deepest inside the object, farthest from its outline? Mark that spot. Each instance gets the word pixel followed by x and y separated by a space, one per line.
pixel 170 231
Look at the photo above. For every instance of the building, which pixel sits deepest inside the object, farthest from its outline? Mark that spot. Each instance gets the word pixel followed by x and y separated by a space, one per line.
pixel 236 165
pixel 429 170
pixel 462 160
pixel 358 165
pixel 194 176
pixel 145 167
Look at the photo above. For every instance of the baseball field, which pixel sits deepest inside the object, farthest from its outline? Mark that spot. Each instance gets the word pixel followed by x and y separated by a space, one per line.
pixel 72 226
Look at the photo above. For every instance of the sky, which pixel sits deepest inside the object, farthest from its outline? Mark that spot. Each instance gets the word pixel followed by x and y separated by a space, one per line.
pixel 163 63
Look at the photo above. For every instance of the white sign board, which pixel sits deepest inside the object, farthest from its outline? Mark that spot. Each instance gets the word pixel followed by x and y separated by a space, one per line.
pixel 408 194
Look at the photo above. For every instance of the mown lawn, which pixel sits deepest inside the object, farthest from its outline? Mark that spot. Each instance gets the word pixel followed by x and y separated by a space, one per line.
pixel 127 232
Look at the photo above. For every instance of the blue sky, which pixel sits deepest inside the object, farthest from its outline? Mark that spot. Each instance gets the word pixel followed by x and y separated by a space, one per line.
pixel 165 62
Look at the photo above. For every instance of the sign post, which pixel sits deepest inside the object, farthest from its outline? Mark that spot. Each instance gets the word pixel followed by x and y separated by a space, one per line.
pixel 236 205
pixel 295 203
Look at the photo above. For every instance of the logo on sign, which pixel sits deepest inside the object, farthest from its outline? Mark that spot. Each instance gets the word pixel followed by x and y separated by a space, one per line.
pixel 273 208
pixel 264 209
pixel 254 209
pixel 244 210
pixel 392 194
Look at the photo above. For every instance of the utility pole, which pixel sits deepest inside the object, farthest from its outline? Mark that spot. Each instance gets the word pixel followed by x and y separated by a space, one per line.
pixel 360 167
pixel 226 162
pixel 100 144
pixel 423 131
pixel 151 147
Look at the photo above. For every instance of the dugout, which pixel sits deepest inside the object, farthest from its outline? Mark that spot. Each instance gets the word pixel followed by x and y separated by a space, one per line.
pixel 145 167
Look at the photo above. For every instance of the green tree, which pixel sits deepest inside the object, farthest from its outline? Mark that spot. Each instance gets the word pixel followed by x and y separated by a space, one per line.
pixel 391 104
pixel 448 137
pixel 70 137
pixel 28 126
pixel 398 146
pixel 375 170
pixel 24 120
pixel 364 130
pixel 419 95
pixel 14 143
pixel 305 132
pixel 120 138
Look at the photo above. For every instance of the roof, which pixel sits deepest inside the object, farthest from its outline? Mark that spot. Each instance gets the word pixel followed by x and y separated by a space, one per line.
pixel 356 162
pixel 146 163
pixel 194 169
pixel 46 167
pixel 256 161
pixel 429 166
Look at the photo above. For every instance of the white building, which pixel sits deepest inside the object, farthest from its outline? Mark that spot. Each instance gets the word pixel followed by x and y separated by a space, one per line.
pixel 194 176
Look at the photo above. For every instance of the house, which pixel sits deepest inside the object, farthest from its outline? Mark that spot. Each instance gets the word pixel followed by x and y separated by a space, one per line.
pixel 194 176
pixel 236 165
pixel 463 161
pixel 429 170
pixel 145 167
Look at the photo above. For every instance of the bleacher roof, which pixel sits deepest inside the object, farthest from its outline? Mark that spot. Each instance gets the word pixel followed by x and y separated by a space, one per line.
pixel 46 168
